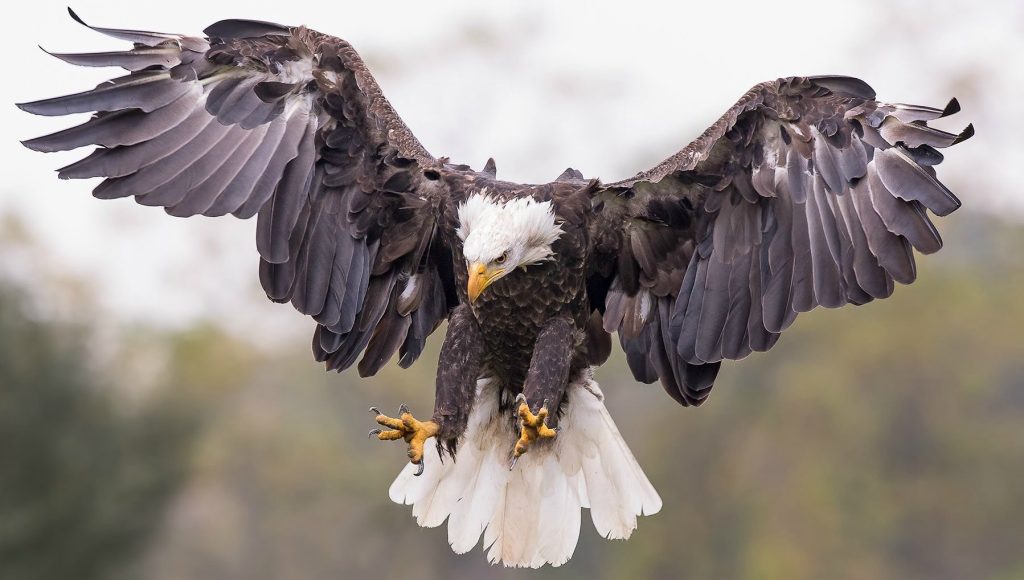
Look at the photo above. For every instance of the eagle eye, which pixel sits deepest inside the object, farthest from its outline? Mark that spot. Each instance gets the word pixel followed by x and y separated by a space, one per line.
pixel 501 259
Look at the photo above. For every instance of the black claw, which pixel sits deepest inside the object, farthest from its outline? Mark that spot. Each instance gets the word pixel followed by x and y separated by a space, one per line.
pixel 520 399
pixel 403 409
pixel 372 433
pixel 419 469
pixel 544 405
pixel 512 464
pixel 375 410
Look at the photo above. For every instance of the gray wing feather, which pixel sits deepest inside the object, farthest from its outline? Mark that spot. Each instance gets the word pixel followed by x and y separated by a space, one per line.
pixel 146 91
pixel 285 124
pixel 808 192
pixel 133 60
pixel 201 198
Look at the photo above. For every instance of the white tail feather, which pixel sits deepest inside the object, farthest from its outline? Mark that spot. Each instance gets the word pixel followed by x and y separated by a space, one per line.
pixel 530 516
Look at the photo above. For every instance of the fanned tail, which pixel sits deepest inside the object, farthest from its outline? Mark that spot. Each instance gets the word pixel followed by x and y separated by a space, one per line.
pixel 530 516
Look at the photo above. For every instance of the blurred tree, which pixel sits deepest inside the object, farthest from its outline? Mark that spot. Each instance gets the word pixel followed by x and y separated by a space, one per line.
pixel 83 482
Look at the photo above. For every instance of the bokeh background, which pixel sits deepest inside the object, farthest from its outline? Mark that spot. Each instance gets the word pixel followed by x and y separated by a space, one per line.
pixel 159 419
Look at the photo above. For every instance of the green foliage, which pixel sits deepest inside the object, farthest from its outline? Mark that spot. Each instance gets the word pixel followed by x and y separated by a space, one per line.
pixel 84 483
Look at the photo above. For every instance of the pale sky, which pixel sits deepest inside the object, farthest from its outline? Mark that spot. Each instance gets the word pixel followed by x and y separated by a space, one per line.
pixel 606 87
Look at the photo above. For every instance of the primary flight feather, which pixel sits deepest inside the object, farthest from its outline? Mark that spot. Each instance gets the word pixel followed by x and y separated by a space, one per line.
pixel 807 192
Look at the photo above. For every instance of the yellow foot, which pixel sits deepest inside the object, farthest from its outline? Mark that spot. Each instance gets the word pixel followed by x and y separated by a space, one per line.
pixel 406 427
pixel 532 428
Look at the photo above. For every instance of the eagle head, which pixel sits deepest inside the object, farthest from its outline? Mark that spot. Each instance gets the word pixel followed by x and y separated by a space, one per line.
pixel 499 237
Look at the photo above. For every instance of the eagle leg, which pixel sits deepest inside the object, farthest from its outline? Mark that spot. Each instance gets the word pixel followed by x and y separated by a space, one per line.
pixel 532 427
pixel 546 381
pixel 414 431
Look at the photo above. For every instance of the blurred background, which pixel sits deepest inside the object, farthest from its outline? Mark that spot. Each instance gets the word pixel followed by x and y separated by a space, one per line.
pixel 159 419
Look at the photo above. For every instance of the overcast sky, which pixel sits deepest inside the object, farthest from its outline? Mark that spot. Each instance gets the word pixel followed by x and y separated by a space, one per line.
pixel 607 87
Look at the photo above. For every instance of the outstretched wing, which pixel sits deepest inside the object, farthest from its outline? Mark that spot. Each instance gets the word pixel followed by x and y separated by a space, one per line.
pixel 286 124
pixel 807 192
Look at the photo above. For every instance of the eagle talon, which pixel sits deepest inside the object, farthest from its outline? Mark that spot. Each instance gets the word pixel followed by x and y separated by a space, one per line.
pixel 532 427
pixel 373 432
pixel 405 426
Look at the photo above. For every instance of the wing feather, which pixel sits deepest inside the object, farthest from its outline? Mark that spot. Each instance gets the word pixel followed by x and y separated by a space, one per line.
pixel 134 60
pixel 201 198
pixel 286 124
pixel 808 192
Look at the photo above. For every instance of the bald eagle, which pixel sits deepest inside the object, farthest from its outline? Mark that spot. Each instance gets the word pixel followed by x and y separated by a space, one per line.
pixel 807 192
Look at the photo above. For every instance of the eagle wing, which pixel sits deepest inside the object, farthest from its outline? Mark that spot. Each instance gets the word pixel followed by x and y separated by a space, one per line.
pixel 808 192
pixel 286 124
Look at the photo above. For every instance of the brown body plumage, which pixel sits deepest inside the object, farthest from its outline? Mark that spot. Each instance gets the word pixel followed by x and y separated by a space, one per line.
pixel 515 308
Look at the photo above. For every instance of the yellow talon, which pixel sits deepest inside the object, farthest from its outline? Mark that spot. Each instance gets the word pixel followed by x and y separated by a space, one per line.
pixel 532 428
pixel 406 427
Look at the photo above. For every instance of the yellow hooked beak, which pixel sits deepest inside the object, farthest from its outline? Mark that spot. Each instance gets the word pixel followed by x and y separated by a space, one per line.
pixel 480 277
